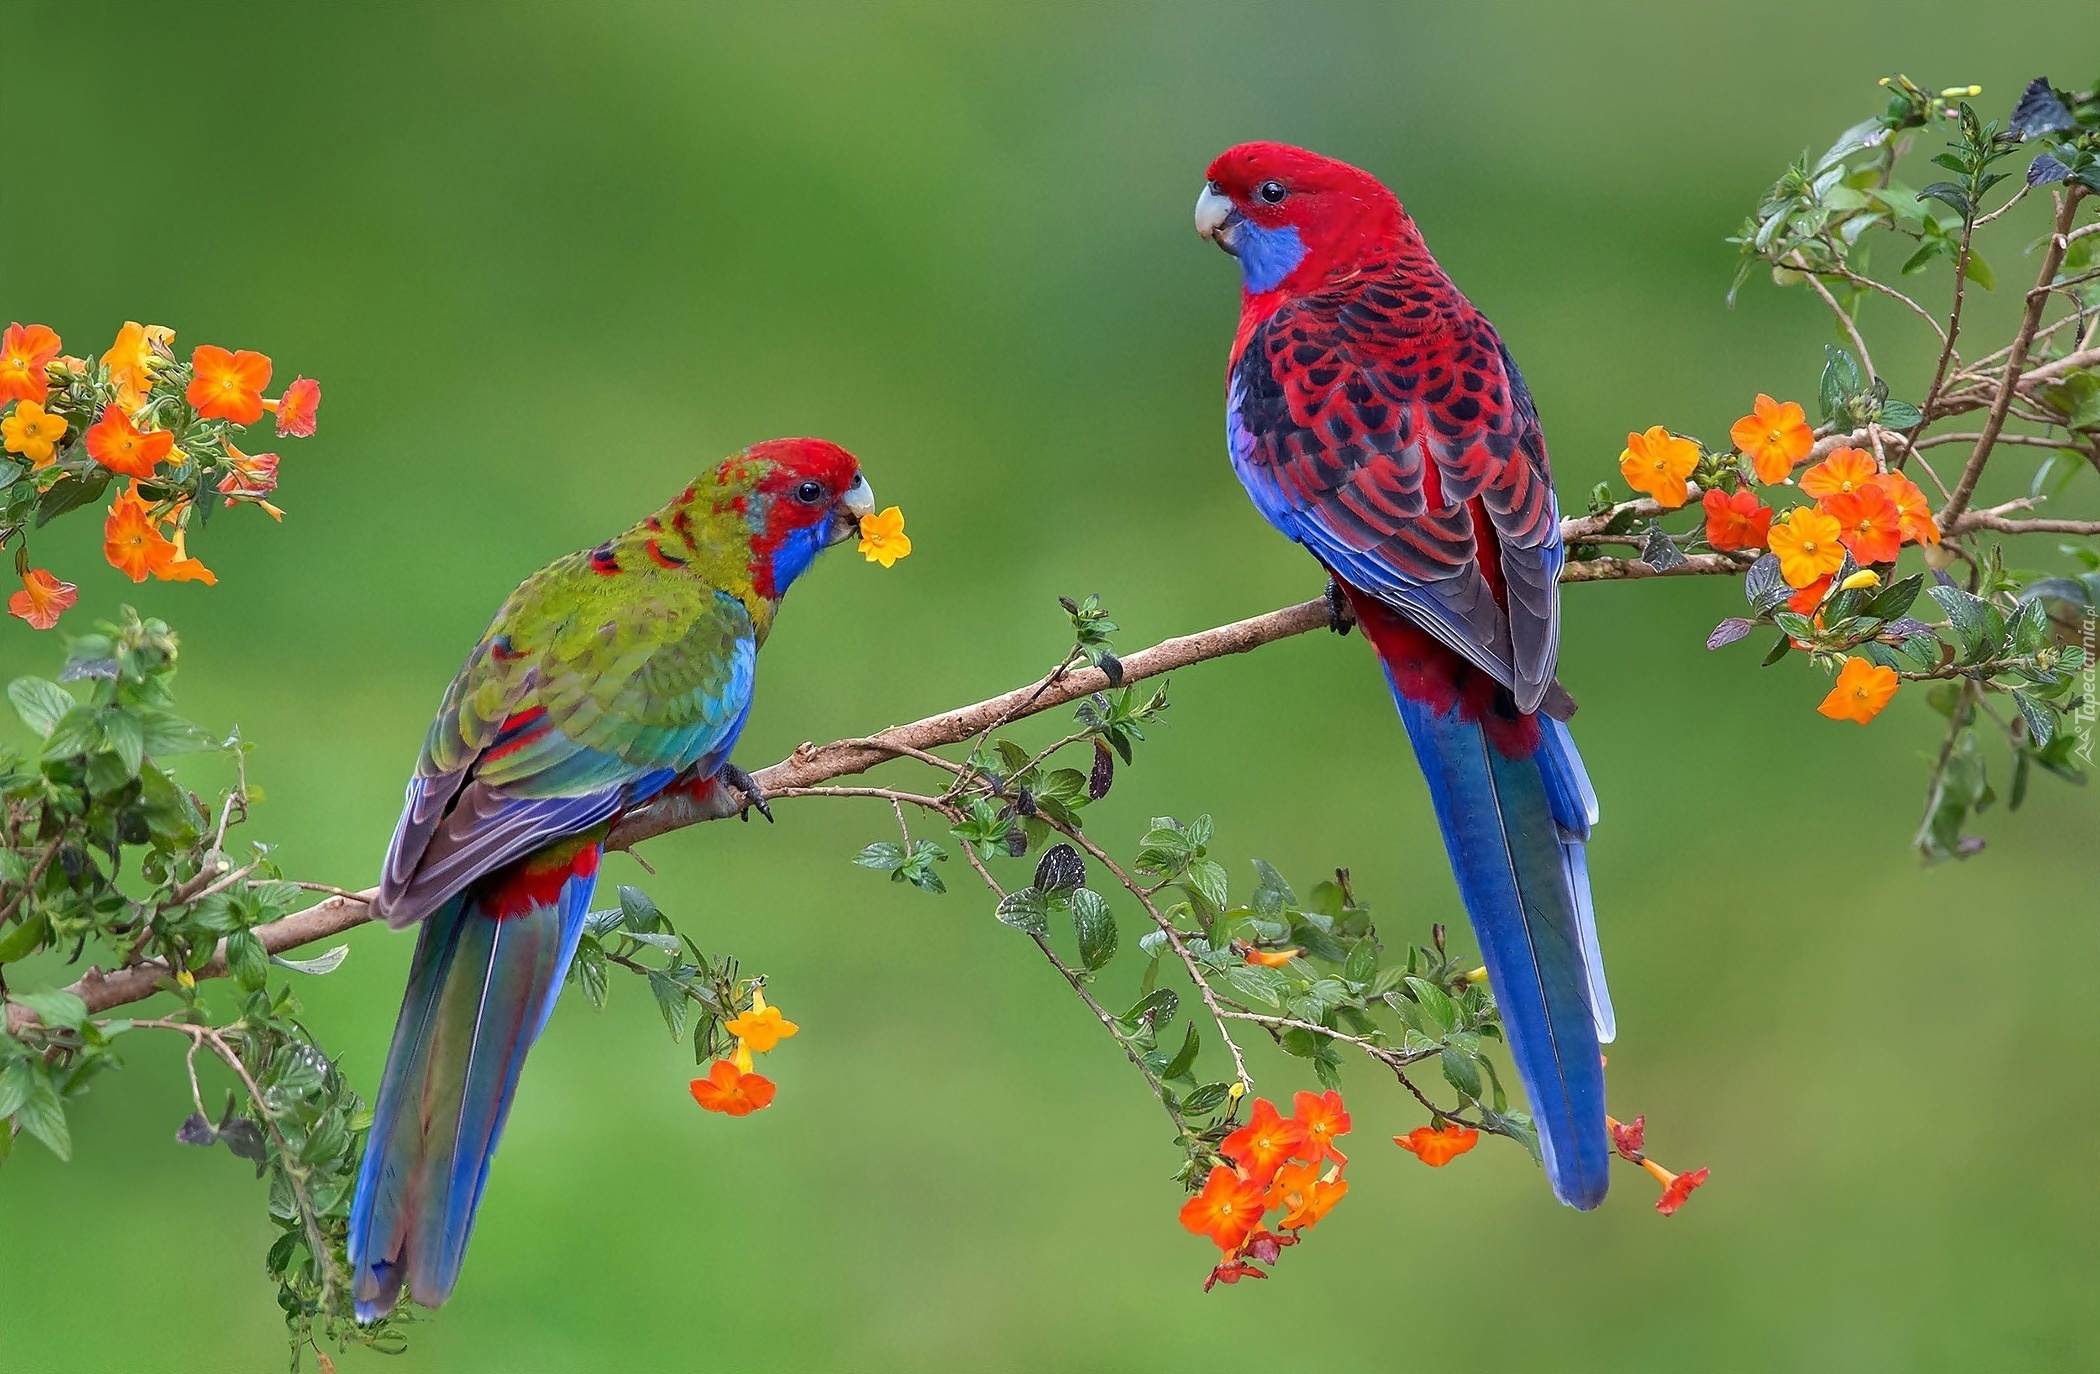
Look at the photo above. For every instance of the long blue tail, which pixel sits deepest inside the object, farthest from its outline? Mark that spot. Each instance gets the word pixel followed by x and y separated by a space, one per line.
pixel 1515 825
pixel 489 964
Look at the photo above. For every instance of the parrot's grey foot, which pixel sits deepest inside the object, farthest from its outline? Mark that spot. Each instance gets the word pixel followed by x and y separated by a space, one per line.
pixel 1339 617
pixel 742 783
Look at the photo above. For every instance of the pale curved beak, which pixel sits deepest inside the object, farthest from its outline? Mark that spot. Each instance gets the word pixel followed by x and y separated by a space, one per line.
pixel 858 500
pixel 860 497
pixel 1217 219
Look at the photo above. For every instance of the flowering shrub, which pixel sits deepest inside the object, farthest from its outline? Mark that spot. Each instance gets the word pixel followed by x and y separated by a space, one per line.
pixel 1818 518
pixel 72 428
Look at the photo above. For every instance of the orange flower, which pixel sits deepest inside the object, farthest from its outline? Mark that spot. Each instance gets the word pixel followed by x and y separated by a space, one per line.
pixel 1323 1118
pixel 130 540
pixel 297 409
pixel 762 1027
pixel 1871 525
pixel 42 599
pixel 1845 470
pixel 1740 521
pixel 115 443
pixel 33 432
pixel 1918 525
pixel 1676 1187
pixel 1304 1196
pixel 1808 545
pixel 1658 462
pixel 1271 958
pixel 1862 689
pixel 882 537
pixel 24 349
pixel 1438 1146
pixel 732 1093
pixel 1227 1210
pixel 1805 601
pixel 228 386
pixel 178 566
pixel 1773 436
pixel 1264 1142
pixel 132 359
pixel 254 474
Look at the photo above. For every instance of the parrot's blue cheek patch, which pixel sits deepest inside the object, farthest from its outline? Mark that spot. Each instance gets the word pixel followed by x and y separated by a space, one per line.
pixel 796 552
pixel 1267 256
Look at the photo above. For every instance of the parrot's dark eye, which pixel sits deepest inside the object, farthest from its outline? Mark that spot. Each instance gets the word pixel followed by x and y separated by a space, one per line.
pixel 1271 191
pixel 809 493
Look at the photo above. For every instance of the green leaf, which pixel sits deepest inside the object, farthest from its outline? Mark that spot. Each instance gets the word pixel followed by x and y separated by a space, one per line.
pixel 589 971
pixel 1025 909
pixel 1206 879
pixel 883 856
pixel 24 940
pixel 1263 984
pixel 2041 721
pixel 1460 1072
pixel 1206 1099
pixel 246 960
pixel 1184 1058
pixel 1095 925
pixel 1362 963
pixel 1271 893
pixel 42 1115
pixel 670 1000
pixel 17 1081
pixel 1895 599
pixel 327 961
pixel 56 1007
pixel 640 913
pixel 1976 622
pixel 39 702
pixel 1900 414
pixel 125 737
pixel 1764 587
pixel 1435 1003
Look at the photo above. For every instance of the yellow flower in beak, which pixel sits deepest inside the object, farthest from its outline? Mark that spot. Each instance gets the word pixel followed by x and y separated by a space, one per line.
pixel 882 537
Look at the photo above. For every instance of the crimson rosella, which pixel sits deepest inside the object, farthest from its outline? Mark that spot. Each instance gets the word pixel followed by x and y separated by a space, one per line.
pixel 610 678
pixel 1376 418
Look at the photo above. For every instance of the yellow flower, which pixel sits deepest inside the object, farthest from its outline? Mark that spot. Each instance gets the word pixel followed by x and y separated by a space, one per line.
pixel 33 432
pixel 131 361
pixel 1865 577
pixel 1807 546
pixel 1658 462
pixel 882 538
pixel 762 1027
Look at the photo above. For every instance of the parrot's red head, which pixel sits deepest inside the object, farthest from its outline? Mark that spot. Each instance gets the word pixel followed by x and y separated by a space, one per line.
pixel 1295 219
pixel 796 497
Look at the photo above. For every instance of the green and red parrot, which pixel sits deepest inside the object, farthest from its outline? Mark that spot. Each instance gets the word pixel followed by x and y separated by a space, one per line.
pixel 1375 417
pixel 610 679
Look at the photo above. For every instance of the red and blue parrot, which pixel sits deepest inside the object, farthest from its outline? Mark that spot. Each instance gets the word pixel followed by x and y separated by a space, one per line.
pixel 612 678
pixel 1376 418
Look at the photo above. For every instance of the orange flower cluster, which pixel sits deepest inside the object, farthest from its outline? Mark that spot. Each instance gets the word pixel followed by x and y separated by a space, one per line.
pixel 1857 509
pixel 1277 1163
pixel 137 412
pixel 730 1087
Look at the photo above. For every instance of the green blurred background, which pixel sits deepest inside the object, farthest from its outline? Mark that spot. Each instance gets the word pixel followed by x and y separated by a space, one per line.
pixel 549 261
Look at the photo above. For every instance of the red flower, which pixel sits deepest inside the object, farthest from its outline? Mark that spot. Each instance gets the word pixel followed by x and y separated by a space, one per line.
pixel 42 600
pixel 1263 1143
pixel 1676 1187
pixel 1437 1146
pixel 1740 521
pixel 24 349
pixel 297 409
pixel 1323 1118
pixel 1869 523
pixel 731 1093
pixel 121 446
pixel 228 386
pixel 1626 1136
pixel 251 474
pixel 1232 1271
pixel 1228 1209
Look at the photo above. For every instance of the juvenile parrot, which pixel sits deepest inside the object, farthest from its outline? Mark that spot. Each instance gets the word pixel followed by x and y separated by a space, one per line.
pixel 610 677
pixel 1376 418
